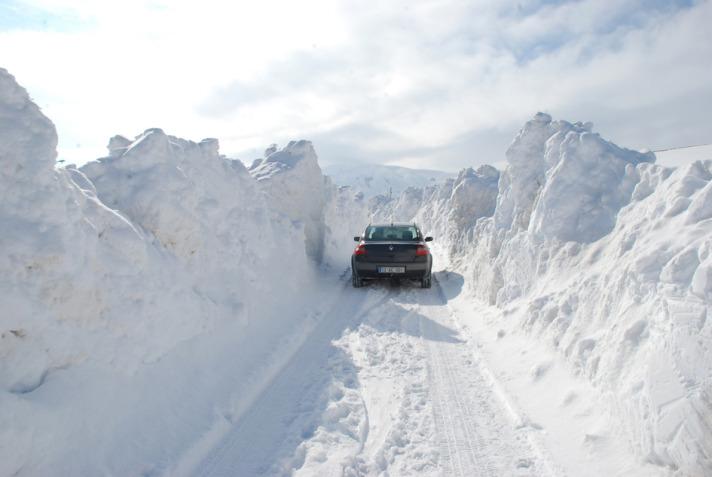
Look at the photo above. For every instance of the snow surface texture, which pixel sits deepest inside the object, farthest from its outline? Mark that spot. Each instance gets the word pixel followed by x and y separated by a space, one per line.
pixel 293 180
pixel 116 275
pixel 449 210
pixel 153 297
pixel 608 258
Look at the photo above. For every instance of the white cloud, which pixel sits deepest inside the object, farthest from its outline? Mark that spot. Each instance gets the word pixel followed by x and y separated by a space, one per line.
pixel 412 82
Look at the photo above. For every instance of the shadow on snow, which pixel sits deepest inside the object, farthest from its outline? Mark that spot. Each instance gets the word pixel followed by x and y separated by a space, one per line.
pixel 266 439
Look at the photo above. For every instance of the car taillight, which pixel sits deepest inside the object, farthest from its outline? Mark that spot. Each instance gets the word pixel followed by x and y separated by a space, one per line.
pixel 421 251
pixel 360 250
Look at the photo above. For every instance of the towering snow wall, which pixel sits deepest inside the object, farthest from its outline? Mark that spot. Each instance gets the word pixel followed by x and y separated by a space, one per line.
pixel 292 178
pixel 449 210
pixel 164 231
pixel 345 216
pixel 330 215
pixel 206 211
pixel 605 256
pixel 589 247
pixel 115 270
pixel 69 263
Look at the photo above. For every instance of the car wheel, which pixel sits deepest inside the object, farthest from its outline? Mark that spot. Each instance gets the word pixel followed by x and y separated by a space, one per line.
pixel 355 280
pixel 425 282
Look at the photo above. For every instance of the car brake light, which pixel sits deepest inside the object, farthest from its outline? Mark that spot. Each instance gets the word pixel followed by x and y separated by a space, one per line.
pixel 421 251
pixel 360 250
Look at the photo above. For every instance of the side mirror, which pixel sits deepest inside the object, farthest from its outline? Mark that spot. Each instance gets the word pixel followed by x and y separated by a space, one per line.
pixel 428 239
pixel 357 239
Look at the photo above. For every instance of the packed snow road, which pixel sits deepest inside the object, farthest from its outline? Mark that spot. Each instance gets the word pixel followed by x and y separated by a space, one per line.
pixel 383 386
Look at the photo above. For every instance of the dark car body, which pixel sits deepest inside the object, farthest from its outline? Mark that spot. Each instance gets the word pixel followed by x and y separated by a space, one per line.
pixel 392 251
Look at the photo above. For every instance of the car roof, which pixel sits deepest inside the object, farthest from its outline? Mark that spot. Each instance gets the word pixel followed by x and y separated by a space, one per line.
pixel 394 224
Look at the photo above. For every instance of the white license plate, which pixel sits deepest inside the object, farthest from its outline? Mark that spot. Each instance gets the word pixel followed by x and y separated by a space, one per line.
pixel 391 269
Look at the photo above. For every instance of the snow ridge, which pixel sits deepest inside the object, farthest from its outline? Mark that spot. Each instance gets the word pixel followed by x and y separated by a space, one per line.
pixel 118 277
pixel 594 249
pixel 156 268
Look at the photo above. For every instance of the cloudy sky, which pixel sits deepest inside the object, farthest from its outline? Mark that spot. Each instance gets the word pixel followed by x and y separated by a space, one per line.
pixel 437 84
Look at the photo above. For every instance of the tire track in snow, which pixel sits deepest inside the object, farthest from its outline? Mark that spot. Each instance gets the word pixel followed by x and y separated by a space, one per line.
pixel 390 359
pixel 272 429
pixel 476 434
pixel 406 328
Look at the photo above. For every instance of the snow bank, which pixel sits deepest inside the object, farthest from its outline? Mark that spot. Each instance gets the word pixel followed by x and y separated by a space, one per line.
pixel 69 262
pixel 331 215
pixel 345 216
pixel 565 180
pixel 606 257
pixel 292 179
pixel 147 277
pixel 205 210
pixel 449 210
pixel 165 273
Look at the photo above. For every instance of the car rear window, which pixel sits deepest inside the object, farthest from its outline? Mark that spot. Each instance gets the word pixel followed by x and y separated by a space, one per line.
pixel 392 232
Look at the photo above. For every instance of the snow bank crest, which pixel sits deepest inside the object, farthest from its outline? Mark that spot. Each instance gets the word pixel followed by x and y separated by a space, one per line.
pixel 277 160
pixel 604 255
pixel 563 181
pixel 109 269
pixel 291 177
pixel 448 210
pixel 590 247
pixel 28 140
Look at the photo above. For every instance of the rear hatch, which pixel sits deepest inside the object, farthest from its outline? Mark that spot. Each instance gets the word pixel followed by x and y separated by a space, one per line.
pixel 391 252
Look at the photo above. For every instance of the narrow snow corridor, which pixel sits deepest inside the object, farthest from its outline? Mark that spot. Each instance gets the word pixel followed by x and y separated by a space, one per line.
pixel 170 310
pixel 263 440
pixel 384 385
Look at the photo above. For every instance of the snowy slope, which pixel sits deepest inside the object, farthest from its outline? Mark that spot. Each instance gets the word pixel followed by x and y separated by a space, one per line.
pixel 683 156
pixel 132 288
pixel 375 179
pixel 167 311
pixel 605 257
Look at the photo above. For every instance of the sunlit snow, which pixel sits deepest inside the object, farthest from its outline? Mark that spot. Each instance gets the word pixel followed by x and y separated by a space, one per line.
pixel 167 310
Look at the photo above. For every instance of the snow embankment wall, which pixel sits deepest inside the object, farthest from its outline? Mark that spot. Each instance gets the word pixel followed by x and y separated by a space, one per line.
pixel 116 277
pixel 607 258
pixel 108 269
pixel 78 280
pixel 163 235
pixel 330 215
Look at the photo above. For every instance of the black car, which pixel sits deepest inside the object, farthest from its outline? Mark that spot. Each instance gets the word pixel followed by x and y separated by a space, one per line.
pixel 392 251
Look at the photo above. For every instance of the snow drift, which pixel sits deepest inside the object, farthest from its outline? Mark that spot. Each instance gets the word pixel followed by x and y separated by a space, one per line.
pixel 607 258
pixel 139 284
pixel 293 179
pixel 448 210
pixel 129 279
pixel 128 245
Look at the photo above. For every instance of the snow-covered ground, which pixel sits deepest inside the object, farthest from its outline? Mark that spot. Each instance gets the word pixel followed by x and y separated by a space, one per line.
pixel 168 311
pixel 603 257
pixel 683 156
pixel 144 295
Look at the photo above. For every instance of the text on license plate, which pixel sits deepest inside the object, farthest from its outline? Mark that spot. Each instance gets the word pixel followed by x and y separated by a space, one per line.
pixel 391 269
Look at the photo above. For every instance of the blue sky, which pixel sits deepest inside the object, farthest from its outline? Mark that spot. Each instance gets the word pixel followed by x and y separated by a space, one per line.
pixel 436 84
pixel 20 15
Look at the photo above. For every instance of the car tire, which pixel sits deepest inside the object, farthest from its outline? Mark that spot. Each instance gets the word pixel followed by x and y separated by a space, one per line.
pixel 425 282
pixel 355 280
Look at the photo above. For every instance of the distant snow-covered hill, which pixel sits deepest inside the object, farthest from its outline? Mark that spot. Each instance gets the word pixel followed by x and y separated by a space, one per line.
pixel 374 179
pixel 682 156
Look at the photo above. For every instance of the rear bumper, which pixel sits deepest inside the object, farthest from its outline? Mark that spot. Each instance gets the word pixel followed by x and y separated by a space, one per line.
pixel 413 270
